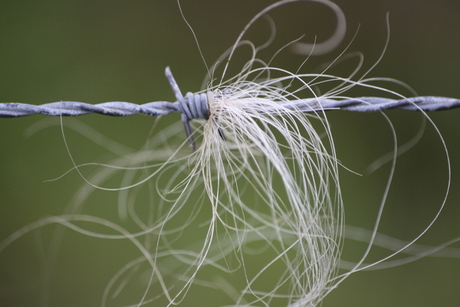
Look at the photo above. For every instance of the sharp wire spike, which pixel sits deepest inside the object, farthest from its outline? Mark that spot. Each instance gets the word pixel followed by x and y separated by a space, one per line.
pixel 186 111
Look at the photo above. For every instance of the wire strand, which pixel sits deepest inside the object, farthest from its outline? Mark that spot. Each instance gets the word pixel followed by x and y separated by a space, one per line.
pixel 194 106
pixel 198 103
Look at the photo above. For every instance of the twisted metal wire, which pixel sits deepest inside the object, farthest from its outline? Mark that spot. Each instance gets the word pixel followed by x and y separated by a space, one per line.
pixel 191 106
pixel 376 104
pixel 194 106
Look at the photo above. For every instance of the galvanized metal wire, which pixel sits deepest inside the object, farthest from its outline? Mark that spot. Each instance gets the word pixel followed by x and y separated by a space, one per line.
pixel 194 106
pixel 197 101
pixel 198 105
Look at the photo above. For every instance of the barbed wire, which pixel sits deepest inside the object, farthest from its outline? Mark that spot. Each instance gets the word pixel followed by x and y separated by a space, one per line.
pixel 158 108
pixel 194 106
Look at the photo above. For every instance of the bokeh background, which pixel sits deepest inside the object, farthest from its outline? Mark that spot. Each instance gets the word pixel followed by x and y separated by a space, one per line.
pixel 97 51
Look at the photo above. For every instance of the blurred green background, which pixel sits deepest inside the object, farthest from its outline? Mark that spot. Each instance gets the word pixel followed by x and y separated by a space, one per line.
pixel 97 51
